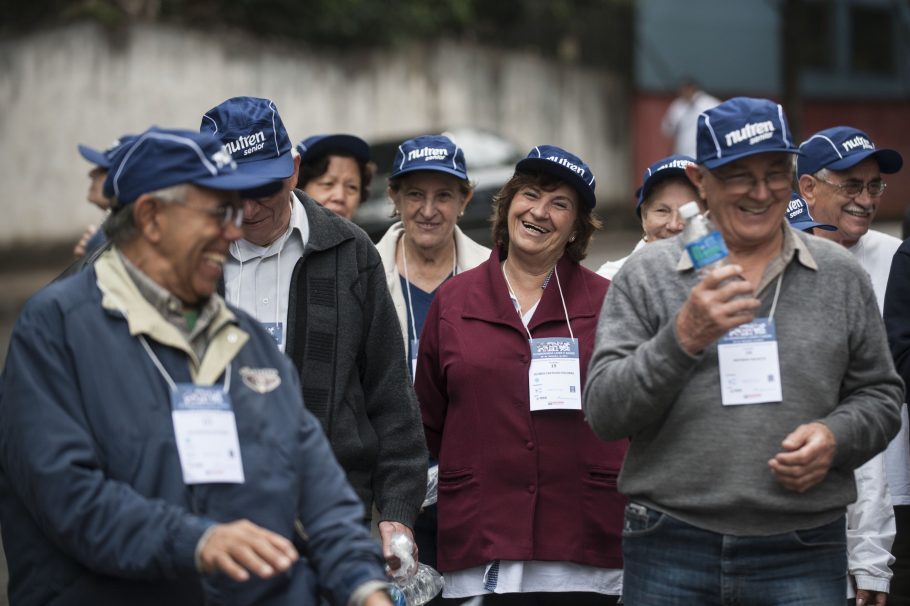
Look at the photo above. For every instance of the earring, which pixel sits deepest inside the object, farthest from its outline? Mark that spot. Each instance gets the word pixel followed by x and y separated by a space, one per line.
pixel 396 213
pixel 461 214
pixel 572 239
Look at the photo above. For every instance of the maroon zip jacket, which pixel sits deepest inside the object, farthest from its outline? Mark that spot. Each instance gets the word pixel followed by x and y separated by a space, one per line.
pixel 514 485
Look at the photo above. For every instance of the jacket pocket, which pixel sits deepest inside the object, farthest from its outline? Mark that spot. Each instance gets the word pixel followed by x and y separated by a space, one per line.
pixel 602 508
pixel 458 508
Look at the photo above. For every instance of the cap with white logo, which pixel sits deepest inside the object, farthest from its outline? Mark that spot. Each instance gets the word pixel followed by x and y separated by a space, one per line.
pixel 741 127
pixel 160 158
pixel 842 147
pixel 429 152
pixel 799 217
pixel 671 166
pixel 254 135
pixel 563 165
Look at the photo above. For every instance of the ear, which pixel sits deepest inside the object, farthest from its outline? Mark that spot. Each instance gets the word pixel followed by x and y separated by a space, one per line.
pixel 697 178
pixel 296 174
pixel 807 185
pixel 147 217
pixel 467 198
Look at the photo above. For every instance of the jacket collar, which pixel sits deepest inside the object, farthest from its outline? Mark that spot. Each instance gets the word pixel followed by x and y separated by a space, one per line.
pixel 489 300
pixel 327 230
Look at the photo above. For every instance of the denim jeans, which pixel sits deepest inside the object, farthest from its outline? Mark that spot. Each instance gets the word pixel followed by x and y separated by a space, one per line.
pixel 668 563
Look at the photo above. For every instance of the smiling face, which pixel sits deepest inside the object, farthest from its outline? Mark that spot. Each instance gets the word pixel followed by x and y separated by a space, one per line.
pixel 541 222
pixel 754 218
pixel 660 212
pixel 429 203
pixel 829 204
pixel 339 187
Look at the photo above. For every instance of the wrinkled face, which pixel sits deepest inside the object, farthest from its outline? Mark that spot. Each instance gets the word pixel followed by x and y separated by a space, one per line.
pixel 265 218
pixel 429 203
pixel 660 212
pixel 852 216
pixel 96 188
pixel 755 217
pixel 194 243
pixel 339 187
pixel 542 222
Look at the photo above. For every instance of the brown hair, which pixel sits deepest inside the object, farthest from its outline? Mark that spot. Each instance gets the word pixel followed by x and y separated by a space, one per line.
pixel 315 167
pixel 586 222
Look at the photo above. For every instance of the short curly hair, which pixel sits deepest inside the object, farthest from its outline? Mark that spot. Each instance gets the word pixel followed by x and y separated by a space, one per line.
pixel 586 221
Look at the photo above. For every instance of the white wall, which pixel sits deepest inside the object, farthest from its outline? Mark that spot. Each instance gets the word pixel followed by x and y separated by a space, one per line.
pixel 81 85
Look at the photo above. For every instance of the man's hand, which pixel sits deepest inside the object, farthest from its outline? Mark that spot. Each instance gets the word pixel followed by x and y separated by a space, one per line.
pixel 712 308
pixel 386 530
pixel 79 249
pixel 241 546
pixel 864 597
pixel 809 451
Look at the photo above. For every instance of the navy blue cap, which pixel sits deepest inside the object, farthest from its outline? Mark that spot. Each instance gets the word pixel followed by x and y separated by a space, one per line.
pixel 563 165
pixel 160 158
pixel 671 166
pixel 741 127
pixel 323 145
pixel 429 152
pixel 254 135
pixel 840 148
pixel 799 217
pixel 102 158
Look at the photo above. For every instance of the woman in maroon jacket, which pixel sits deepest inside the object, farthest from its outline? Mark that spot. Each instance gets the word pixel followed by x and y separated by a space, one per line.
pixel 528 507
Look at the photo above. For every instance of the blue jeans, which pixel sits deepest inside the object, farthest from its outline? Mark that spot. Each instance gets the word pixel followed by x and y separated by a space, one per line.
pixel 668 563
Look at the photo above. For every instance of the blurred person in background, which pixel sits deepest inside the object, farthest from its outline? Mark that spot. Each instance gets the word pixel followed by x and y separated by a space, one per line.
pixel 335 170
pixel 681 118
pixel 423 249
pixel 93 237
pixel 316 283
pixel 840 178
pixel 528 508
pixel 664 188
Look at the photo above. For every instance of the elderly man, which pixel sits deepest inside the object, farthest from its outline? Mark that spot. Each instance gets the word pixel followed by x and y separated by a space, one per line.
pixel 316 282
pixel 183 469
pixel 743 441
pixel 840 177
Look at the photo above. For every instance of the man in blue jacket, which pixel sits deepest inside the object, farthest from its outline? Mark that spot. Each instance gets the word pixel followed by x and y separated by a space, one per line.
pixel 153 445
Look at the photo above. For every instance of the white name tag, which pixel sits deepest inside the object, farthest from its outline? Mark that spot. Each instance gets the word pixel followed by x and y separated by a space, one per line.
pixel 749 364
pixel 554 379
pixel 206 434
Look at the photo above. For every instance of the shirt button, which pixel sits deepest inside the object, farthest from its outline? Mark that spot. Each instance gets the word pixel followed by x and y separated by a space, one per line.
pixel 265 301
pixel 530 445
pixel 232 338
pixel 531 488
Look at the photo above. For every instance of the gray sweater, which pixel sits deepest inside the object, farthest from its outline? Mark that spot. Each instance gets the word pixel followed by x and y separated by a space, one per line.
pixel 705 463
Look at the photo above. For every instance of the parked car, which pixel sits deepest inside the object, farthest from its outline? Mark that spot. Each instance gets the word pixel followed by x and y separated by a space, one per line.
pixel 490 160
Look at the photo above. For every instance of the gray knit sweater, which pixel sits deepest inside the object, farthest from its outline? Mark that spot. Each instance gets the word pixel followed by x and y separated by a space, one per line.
pixel 705 463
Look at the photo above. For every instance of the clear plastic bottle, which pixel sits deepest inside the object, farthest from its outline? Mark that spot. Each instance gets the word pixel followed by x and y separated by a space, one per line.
pixel 702 240
pixel 416 583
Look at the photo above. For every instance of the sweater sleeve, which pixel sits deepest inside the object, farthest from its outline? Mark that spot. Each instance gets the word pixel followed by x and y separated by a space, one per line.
pixel 49 454
pixel 623 393
pixel 400 476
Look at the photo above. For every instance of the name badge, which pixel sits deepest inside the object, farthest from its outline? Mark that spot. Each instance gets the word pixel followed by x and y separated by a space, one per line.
pixel 554 379
pixel 414 345
pixel 206 434
pixel 749 364
pixel 276 329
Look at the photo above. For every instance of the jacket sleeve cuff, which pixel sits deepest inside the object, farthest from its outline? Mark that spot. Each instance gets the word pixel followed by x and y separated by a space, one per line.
pixel 359 596
pixel 870 583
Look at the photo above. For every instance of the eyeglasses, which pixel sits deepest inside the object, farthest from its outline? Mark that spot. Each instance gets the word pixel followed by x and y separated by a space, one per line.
pixel 853 188
pixel 742 184
pixel 226 214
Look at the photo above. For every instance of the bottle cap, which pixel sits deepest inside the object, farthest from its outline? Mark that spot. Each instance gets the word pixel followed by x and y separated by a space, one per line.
pixel 689 210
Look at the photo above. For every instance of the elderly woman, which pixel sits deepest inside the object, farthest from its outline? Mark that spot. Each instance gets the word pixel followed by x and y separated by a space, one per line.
pixel 335 170
pixel 665 187
pixel 528 507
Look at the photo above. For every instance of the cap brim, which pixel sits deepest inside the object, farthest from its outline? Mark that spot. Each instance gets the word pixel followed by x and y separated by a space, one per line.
pixel 271 169
pixel 804 225
pixel 94 156
pixel 889 161
pixel 236 180
pixel 560 172
pixel 346 144
pixel 713 163
pixel 430 168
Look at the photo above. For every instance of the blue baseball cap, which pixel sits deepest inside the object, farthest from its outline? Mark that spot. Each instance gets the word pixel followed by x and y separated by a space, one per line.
pixel 254 135
pixel 323 145
pixel 559 163
pixel 160 158
pixel 429 152
pixel 671 166
pixel 102 158
pixel 799 217
pixel 840 148
pixel 741 127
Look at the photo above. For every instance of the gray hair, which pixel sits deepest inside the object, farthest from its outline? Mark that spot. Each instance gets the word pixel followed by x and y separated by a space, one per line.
pixel 120 226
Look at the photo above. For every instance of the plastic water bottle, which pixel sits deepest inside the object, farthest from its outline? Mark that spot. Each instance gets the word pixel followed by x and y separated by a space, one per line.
pixel 415 583
pixel 702 240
